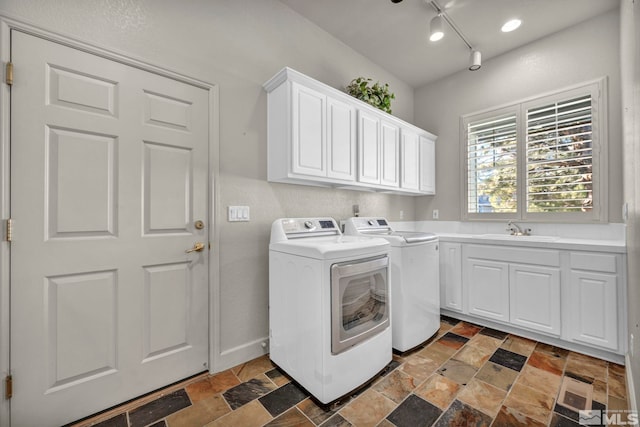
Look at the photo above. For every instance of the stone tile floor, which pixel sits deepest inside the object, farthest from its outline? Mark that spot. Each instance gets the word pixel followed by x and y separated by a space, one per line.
pixel 466 376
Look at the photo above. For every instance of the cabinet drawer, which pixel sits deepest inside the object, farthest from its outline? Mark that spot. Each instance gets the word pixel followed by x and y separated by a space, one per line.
pixel 546 257
pixel 593 262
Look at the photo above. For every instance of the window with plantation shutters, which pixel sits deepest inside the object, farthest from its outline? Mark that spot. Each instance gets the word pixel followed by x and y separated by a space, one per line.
pixel 540 159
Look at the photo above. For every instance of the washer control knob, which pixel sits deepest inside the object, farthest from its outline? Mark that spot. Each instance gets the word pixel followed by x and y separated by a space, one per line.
pixel 371 222
pixel 308 224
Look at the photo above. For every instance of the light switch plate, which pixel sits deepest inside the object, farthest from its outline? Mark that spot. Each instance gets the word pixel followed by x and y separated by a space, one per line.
pixel 238 213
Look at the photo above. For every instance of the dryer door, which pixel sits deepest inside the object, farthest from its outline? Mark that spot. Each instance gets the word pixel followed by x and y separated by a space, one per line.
pixel 359 301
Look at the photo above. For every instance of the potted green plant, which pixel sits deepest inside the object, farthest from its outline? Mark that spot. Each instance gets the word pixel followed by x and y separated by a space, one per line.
pixel 377 95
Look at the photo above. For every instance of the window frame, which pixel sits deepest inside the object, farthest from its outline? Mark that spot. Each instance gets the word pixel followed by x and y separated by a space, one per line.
pixel 599 100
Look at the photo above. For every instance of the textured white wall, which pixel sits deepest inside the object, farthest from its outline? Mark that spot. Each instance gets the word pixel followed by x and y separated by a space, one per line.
pixel 584 52
pixel 237 45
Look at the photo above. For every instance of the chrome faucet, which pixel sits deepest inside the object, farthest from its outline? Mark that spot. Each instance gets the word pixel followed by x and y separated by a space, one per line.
pixel 515 230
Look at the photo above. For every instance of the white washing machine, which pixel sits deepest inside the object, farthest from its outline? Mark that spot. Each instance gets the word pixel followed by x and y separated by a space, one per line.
pixel 415 280
pixel 329 310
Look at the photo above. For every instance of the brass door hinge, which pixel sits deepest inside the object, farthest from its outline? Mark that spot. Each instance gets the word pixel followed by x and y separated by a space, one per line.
pixel 8 387
pixel 9 230
pixel 8 76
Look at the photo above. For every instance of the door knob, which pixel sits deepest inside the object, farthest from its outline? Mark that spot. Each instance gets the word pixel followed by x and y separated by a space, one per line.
pixel 197 247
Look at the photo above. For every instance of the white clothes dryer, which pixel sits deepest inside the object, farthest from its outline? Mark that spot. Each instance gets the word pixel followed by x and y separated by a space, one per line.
pixel 415 280
pixel 329 309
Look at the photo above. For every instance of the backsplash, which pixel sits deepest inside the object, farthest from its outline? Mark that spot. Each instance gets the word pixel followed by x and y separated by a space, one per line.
pixel 611 232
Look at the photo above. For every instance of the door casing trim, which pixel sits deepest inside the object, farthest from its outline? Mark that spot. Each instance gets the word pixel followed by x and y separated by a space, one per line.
pixel 7 24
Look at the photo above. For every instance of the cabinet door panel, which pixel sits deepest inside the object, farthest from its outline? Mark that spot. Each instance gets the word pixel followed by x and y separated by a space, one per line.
pixel 341 140
pixel 390 152
pixel 427 165
pixel 487 284
pixel 451 276
pixel 593 303
pixel 368 147
pixel 534 293
pixel 308 116
pixel 410 165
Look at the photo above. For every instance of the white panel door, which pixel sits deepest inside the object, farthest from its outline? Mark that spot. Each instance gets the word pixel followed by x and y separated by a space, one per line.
pixel 368 148
pixel 390 154
pixel 487 286
pixel 535 298
pixel 109 169
pixel 341 140
pixel 594 318
pixel 410 160
pixel 451 276
pixel 309 139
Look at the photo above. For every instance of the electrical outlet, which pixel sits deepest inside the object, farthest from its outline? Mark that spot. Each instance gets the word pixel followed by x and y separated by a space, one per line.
pixel 631 345
pixel 436 214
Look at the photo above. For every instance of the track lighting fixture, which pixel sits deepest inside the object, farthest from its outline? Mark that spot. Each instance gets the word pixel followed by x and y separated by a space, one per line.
pixel 475 60
pixel 435 29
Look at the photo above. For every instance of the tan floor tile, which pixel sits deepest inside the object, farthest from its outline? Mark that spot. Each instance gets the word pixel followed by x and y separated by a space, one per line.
pixel 617 369
pixel 396 386
pixel 419 367
pixel 508 417
pixel 437 352
pixel 617 387
pixel 223 381
pixel 552 350
pixel 200 413
pixel 250 415
pixel 473 356
pixel 617 404
pixel 547 362
pixel 314 412
pixel 519 345
pixel 485 342
pixel 540 380
pixel 368 409
pixel 444 328
pixel 600 391
pixel 386 423
pixel 438 390
pixel 587 366
pixel 200 390
pixel 293 417
pixel 497 375
pixel 532 403
pixel 458 371
pixel 253 368
pixel 482 396
pixel 466 329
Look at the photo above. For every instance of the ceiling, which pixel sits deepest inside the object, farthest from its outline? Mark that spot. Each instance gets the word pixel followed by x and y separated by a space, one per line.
pixel 395 36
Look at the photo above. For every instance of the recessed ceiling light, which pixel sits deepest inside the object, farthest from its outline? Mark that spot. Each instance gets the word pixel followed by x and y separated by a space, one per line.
pixel 511 25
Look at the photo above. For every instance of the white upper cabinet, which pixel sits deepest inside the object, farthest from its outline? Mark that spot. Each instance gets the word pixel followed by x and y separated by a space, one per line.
pixel 427 165
pixel 318 135
pixel 410 156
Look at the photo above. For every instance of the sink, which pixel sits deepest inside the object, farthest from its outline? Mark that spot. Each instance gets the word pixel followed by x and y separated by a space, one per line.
pixel 514 238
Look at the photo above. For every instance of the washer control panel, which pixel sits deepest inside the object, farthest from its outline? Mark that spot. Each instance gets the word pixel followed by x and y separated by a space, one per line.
pixel 309 225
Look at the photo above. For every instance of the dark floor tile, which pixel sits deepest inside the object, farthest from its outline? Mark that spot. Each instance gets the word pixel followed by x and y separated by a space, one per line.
pixel 494 333
pixel 117 421
pixel 159 408
pixel 453 340
pixel 449 320
pixel 460 414
pixel 282 399
pixel 278 377
pixel 336 421
pixel 566 412
pixel 508 359
pixel 584 379
pixel 160 423
pixel 414 412
pixel 245 393
pixel 558 420
pixel 598 406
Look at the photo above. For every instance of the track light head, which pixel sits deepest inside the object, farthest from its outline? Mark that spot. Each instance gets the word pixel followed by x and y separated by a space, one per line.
pixel 436 31
pixel 475 60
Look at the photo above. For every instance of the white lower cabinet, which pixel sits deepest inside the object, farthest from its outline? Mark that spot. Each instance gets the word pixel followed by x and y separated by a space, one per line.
pixel 573 296
pixel 451 276
pixel 487 286
pixel 534 298
pixel 593 301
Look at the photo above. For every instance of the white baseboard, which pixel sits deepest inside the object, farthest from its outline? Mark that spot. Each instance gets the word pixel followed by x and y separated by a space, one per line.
pixel 241 354
pixel 631 390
